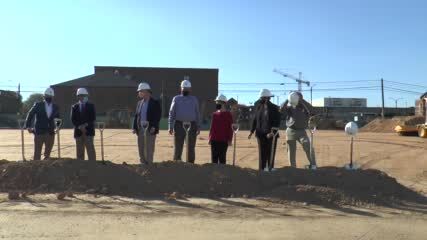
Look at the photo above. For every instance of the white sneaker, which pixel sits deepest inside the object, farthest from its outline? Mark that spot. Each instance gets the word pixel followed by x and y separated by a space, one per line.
pixel 311 167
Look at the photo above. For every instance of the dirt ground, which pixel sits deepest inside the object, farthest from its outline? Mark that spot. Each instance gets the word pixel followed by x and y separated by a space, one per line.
pixel 92 217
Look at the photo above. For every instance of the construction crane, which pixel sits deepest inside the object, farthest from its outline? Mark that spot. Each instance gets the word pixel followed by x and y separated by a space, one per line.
pixel 298 79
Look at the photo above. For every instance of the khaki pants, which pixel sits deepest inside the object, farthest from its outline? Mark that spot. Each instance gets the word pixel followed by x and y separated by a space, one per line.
pixel 85 142
pixel 48 141
pixel 151 142
pixel 301 136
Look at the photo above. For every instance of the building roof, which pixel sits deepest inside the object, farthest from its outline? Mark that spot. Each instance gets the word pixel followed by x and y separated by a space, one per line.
pixel 112 68
pixel 102 79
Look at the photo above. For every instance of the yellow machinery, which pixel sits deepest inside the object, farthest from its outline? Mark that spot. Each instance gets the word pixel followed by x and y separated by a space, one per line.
pixel 422 130
pixel 418 129
pixel 403 130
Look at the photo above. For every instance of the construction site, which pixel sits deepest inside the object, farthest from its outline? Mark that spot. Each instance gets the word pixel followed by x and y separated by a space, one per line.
pixel 60 193
pixel 377 176
pixel 194 120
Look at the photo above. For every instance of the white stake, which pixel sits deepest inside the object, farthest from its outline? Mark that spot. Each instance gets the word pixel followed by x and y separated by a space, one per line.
pixel 21 123
pixel 235 127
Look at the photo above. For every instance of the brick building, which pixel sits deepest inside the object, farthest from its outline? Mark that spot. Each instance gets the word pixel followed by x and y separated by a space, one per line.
pixel 113 90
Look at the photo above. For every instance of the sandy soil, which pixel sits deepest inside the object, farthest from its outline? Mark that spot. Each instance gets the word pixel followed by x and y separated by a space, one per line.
pixel 87 217
pixel 401 157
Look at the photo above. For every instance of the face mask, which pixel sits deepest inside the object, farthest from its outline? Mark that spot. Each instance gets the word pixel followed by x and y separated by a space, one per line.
pixel 48 99
pixel 185 93
pixel 218 106
pixel 85 99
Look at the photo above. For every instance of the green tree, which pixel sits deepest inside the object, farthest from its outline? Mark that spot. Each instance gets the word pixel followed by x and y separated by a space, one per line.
pixel 29 102
pixel 10 102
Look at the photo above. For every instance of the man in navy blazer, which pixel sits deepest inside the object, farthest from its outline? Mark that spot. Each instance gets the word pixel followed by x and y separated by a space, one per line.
pixel 148 110
pixel 83 116
pixel 40 121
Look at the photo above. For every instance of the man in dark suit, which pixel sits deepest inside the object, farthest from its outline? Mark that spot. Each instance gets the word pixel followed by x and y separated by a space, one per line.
pixel 40 121
pixel 148 111
pixel 83 116
pixel 266 117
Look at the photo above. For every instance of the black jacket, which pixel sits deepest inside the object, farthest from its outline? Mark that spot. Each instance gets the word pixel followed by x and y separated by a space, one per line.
pixel 154 113
pixel 87 117
pixel 259 126
pixel 42 124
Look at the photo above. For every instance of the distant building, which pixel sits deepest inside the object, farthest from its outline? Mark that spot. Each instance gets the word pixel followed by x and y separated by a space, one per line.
pixel 420 106
pixel 113 90
pixel 341 102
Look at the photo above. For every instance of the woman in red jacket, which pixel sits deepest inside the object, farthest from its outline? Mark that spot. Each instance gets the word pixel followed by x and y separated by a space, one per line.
pixel 221 133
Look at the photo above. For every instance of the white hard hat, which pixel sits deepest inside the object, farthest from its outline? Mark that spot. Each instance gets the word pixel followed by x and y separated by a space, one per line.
pixel 82 91
pixel 49 92
pixel 293 98
pixel 221 98
pixel 351 128
pixel 143 86
pixel 185 84
pixel 265 93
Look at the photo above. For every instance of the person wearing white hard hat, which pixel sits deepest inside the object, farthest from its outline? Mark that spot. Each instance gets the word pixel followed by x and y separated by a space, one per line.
pixel 40 121
pixel 184 108
pixel 83 117
pixel 147 110
pixel 266 118
pixel 297 112
pixel 221 133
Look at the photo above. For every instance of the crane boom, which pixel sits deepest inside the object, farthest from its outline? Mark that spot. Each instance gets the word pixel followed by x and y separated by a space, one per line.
pixel 297 79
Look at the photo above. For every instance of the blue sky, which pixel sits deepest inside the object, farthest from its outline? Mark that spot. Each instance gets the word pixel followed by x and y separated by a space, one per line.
pixel 47 42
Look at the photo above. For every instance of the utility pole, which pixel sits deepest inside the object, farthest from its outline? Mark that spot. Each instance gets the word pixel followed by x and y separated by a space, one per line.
pixel 311 95
pixel 382 96
pixel 395 101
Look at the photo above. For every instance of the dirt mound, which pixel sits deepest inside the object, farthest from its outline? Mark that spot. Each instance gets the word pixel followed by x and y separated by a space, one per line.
pixel 387 125
pixel 326 185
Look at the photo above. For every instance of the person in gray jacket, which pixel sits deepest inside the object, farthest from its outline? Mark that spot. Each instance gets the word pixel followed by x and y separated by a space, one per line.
pixel 297 113
pixel 184 108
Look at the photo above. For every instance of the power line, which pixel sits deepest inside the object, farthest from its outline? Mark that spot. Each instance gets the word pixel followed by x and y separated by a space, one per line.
pixel 407 84
pixel 286 83
pixel 254 83
pixel 402 90
pixel 307 90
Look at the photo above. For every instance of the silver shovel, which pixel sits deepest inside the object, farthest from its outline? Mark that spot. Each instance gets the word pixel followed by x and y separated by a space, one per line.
pixel 275 132
pixel 187 127
pixel 101 127
pixel 145 125
pixel 58 125
pixel 235 127
pixel 21 123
